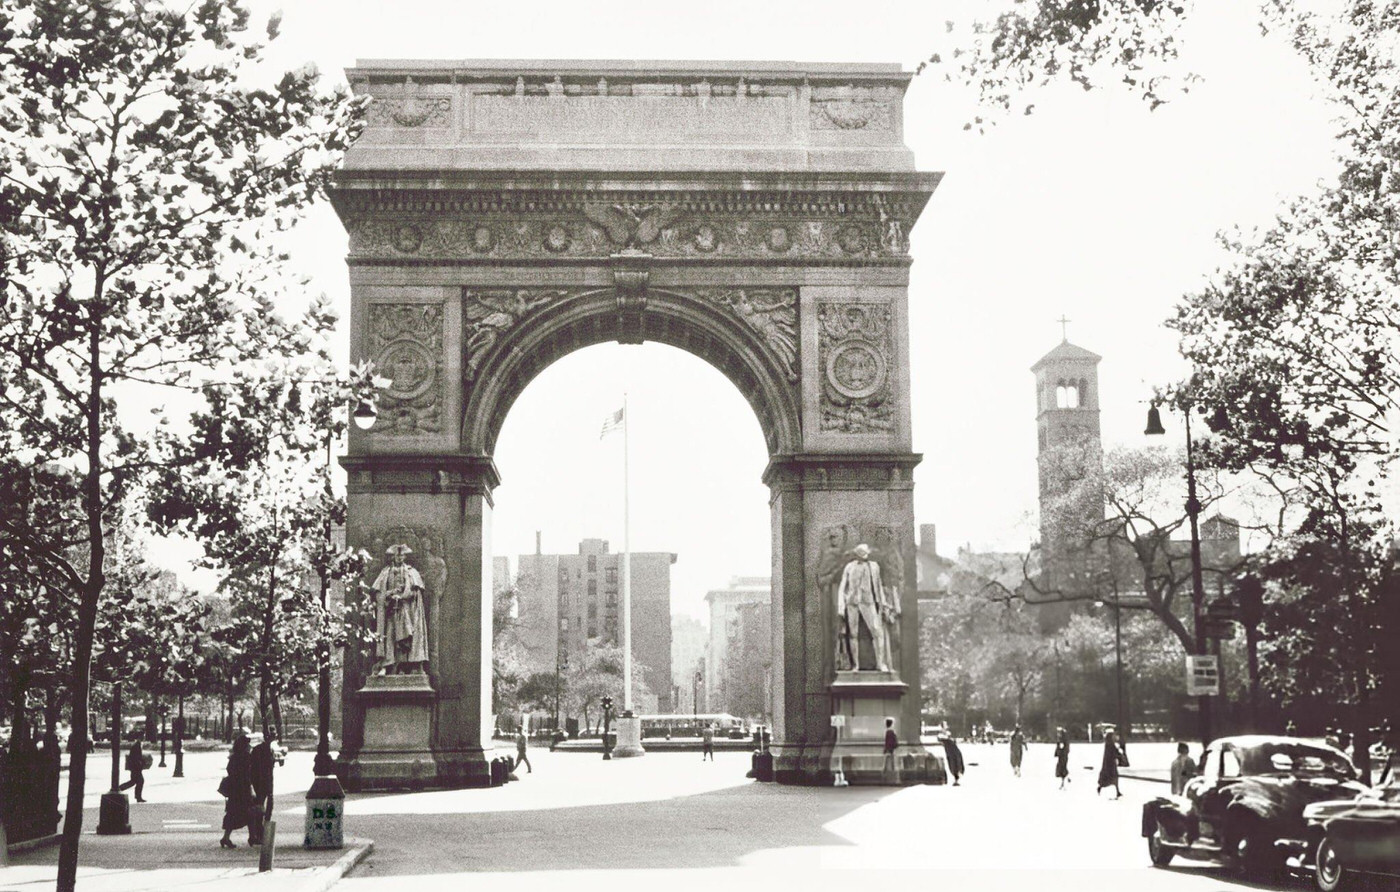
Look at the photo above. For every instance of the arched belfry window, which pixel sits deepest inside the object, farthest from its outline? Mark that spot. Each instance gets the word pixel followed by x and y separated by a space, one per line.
pixel 1067 395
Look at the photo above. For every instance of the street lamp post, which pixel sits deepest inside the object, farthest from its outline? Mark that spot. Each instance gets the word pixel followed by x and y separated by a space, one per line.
pixel 695 695
pixel 179 739
pixel 163 711
pixel 607 720
pixel 323 765
pixel 1198 593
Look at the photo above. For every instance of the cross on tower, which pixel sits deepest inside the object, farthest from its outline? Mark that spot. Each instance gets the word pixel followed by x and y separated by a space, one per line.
pixel 1064 327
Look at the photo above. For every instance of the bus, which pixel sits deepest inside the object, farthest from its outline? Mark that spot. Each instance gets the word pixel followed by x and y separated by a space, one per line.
pixel 681 725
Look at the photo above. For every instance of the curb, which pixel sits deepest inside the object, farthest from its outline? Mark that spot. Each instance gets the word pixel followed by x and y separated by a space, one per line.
pixel 30 845
pixel 327 877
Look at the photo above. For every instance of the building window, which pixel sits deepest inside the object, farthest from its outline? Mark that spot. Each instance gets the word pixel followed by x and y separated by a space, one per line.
pixel 592 631
pixel 612 576
pixel 592 563
pixel 592 588
pixel 1067 395
pixel 564 624
pixel 592 611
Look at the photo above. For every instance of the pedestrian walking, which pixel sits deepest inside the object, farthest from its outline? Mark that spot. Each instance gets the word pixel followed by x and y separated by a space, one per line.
pixel 136 764
pixel 260 764
pixel 521 742
pixel 891 743
pixel 1018 749
pixel 1183 769
pixel 952 754
pixel 1062 756
pixel 707 743
pixel 237 788
pixel 1113 757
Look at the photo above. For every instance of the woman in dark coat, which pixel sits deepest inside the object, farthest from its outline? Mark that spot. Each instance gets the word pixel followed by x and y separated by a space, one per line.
pixel 1062 756
pixel 238 787
pixel 1113 756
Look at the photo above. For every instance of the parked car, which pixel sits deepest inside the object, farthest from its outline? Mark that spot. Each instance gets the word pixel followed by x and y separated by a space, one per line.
pixel 1354 836
pixel 1245 807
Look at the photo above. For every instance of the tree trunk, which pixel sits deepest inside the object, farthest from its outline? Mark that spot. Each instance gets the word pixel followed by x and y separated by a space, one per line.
pixel 277 714
pixel 265 662
pixel 89 598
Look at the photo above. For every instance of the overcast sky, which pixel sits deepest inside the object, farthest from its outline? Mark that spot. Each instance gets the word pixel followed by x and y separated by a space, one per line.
pixel 1093 208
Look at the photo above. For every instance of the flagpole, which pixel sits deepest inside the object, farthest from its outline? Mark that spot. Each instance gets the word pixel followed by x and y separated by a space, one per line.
pixel 626 568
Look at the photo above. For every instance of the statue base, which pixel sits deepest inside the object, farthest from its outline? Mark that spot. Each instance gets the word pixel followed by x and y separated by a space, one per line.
pixel 860 703
pixel 629 738
pixel 397 752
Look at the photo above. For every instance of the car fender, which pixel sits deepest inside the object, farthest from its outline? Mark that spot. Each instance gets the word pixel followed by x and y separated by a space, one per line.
pixel 1161 810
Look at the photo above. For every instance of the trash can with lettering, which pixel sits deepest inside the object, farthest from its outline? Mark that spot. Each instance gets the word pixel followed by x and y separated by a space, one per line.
pixel 325 812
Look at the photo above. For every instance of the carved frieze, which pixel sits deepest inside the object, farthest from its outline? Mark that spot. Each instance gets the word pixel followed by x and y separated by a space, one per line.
pixel 664 230
pixel 851 108
pixel 770 312
pixel 486 315
pixel 855 352
pixel 405 341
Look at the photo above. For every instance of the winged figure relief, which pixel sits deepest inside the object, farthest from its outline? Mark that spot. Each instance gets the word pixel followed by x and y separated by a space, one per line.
pixel 774 316
pixel 631 225
pixel 488 313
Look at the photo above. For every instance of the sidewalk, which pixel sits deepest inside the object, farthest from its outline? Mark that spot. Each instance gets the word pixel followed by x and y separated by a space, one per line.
pixel 180 859
pixel 174 843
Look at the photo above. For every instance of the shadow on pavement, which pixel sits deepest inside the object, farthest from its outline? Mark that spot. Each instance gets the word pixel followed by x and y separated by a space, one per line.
pixel 712 829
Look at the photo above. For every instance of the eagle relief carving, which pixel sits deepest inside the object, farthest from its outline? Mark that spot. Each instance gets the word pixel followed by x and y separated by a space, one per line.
pixel 633 226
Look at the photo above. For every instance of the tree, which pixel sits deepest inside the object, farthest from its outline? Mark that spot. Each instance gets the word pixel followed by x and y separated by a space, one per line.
pixel 145 159
pixel 599 674
pixel 1293 336
pixel 252 494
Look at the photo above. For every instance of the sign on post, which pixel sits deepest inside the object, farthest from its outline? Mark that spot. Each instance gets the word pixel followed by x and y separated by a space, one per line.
pixel 1203 675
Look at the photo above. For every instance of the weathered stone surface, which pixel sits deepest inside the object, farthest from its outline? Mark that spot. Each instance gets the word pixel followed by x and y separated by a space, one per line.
pixel 504 214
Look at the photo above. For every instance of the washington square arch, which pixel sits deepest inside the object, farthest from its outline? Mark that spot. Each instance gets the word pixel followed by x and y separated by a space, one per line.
pixel 504 214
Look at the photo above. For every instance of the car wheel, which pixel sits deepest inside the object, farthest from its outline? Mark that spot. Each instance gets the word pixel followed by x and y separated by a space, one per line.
pixel 1328 873
pixel 1160 853
pixel 1252 848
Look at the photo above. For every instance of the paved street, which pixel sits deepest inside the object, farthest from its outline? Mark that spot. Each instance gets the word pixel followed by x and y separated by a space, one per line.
pixel 668 820
pixel 671 821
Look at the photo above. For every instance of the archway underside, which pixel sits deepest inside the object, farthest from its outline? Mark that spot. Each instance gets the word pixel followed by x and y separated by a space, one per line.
pixel 676 319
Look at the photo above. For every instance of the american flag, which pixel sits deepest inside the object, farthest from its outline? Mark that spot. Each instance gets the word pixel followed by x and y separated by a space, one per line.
pixel 611 423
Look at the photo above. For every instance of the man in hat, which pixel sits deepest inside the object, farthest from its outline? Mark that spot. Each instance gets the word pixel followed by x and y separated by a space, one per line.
pixel 861 596
pixel 402 645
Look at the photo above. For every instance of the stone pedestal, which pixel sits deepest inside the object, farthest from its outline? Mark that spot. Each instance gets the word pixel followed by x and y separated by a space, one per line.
pixel 398 753
pixel 629 738
pixel 863 701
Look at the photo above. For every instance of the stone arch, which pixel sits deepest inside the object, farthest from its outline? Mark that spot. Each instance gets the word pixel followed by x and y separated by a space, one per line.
pixel 705 328
pixel 503 214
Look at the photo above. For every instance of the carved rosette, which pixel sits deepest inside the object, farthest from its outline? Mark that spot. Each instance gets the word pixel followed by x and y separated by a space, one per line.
pixel 406 343
pixel 856 355
pixel 486 315
pixel 771 313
